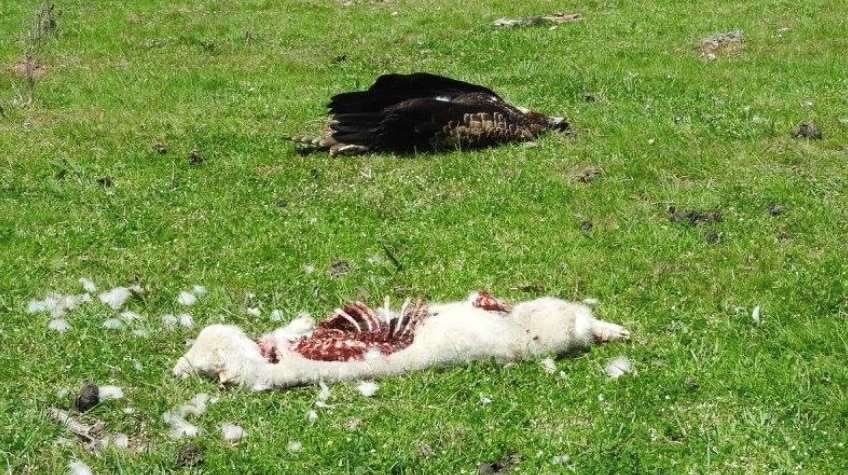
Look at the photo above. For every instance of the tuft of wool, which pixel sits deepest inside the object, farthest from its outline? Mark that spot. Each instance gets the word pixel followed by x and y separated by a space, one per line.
pixel 130 316
pixel 198 290
pixel 59 324
pixel 186 298
pixel 276 315
pixel 110 392
pixel 254 311
pixel 232 433
pixel 78 468
pixel 368 388
pixel 112 324
pixel 324 393
pixel 549 365
pixel 115 298
pixel 179 426
pixel 294 446
pixel 618 366
pixel 312 415
pixel 140 332
pixel 186 320
pixel 56 304
pixel 169 321
pixel 197 405
pixel 88 285
pixel 122 441
pixel 484 400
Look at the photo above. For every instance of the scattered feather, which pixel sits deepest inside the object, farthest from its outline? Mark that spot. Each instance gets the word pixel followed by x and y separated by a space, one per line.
pixel 78 468
pixel 56 304
pixel 294 447
pixel 186 298
pixel 110 392
pixel 59 324
pixel 140 332
pixel 324 405
pixel 484 400
pixel 618 367
pixel 115 298
pixel 549 365
pixel 137 365
pixel 198 290
pixel 197 405
pixel 324 393
pixel 312 415
pixel 254 311
pixel 276 315
pixel 179 426
pixel 308 268
pixel 756 315
pixel 112 324
pixel 368 388
pixel 88 285
pixel 232 433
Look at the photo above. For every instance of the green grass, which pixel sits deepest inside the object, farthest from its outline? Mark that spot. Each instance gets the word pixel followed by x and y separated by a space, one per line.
pixel 712 392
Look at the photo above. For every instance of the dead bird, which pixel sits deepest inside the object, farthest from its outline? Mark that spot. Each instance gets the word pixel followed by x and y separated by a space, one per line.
pixel 423 112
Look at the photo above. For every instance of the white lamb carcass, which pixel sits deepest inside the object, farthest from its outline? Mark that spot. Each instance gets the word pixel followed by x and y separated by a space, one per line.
pixel 356 343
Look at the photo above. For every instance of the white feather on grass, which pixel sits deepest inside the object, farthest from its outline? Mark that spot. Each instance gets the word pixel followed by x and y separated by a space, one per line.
pixel 115 298
pixel 198 290
pixel 276 315
pixel 110 392
pixel 549 365
pixel 88 285
pixel 312 415
pixel 186 298
pixel 294 446
pixel 77 467
pixel 618 366
pixel 232 433
pixel 169 321
pixel 324 393
pixel 112 324
pixel 755 315
pixel 179 426
pixel 59 324
pixel 186 320
pixel 57 304
pixel 122 441
pixel 254 311
pixel 367 388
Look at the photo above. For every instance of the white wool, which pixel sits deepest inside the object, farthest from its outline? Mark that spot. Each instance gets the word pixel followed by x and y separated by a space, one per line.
pixel 62 392
pixel 186 298
pixel 308 268
pixel 276 315
pixel 57 304
pixel 110 392
pixel 452 334
pixel 112 323
pixel 128 410
pixel 115 298
pixel 312 416
pixel 484 400
pixel 88 285
pixel 254 311
pixel 324 393
pixel 755 315
pixel 324 405
pixel 186 320
pixel 368 388
pixel 59 324
pixel 140 332
pixel 137 365
pixel 169 321
pixel 130 316
pixel 590 301
pixel 549 365
pixel 232 433
pixel 618 367
pixel 294 447
pixel 179 426
pixel 197 405
pixel 122 441
pixel 78 468
pixel 198 290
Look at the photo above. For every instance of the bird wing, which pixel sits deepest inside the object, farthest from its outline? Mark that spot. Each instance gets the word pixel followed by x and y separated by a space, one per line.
pixel 392 89
pixel 425 124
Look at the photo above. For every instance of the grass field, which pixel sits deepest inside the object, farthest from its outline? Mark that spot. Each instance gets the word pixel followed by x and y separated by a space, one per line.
pixel 100 113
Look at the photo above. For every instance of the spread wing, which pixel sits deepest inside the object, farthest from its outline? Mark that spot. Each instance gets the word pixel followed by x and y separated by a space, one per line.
pixel 392 89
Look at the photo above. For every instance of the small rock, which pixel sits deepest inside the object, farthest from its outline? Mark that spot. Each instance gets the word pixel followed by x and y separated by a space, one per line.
pixel 586 226
pixel 88 397
pixel 105 182
pixel 189 456
pixel 589 97
pixel 160 148
pixel 282 203
pixel 807 131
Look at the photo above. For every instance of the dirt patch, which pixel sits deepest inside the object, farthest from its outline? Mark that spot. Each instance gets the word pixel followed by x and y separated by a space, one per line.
pixel 807 131
pixel 721 44
pixel 694 217
pixel 29 67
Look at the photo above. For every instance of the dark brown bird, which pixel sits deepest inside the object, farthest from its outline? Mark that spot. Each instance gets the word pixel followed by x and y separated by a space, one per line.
pixel 424 112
